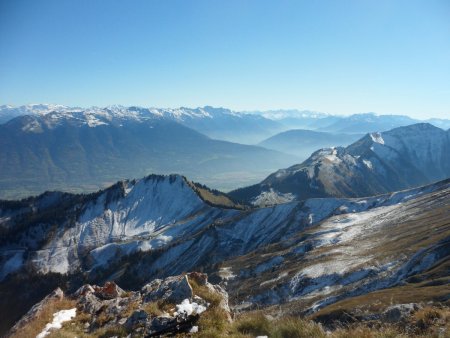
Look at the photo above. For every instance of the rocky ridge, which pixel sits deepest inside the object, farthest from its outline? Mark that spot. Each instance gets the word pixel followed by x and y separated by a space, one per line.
pixel 161 308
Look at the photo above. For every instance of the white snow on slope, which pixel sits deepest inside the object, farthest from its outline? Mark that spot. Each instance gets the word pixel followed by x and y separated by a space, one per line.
pixel 331 156
pixel 157 212
pixel 368 164
pixel 58 319
pixel 423 145
pixel 96 116
pixel 376 137
pixel 272 197
pixel 226 273
pixel 151 214
pixel 93 121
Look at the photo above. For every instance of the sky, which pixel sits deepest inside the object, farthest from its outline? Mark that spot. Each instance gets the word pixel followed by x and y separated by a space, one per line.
pixel 339 57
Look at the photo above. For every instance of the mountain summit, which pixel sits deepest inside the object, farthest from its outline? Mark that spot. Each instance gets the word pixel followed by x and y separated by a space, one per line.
pixel 378 163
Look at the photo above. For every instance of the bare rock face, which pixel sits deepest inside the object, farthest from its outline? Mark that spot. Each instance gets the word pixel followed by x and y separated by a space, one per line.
pixel 109 291
pixel 137 319
pixel 172 289
pixel 110 300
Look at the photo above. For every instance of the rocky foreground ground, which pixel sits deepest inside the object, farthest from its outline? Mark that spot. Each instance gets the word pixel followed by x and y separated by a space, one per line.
pixel 188 305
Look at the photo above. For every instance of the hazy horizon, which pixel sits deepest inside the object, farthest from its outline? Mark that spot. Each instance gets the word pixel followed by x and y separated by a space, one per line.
pixel 250 111
pixel 340 58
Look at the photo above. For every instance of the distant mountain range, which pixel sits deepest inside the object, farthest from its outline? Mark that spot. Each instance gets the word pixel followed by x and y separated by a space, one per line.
pixel 242 127
pixel 378 163
pixel 217 123
pixel 54 147
pixel 58 149
pixel 357 123
pixel 303 142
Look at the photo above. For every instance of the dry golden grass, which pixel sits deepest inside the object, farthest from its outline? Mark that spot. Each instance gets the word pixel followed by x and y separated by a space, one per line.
pixel 379 300
pixel 367 332
pixel 255 324
pixel 152 308
pixel 73 329
pixel 37 324
pixel 203 292
pixel 130 309
pixel 103 318
pixel 296 328
pixel 213 323
pixel 218 198
pixel 431 321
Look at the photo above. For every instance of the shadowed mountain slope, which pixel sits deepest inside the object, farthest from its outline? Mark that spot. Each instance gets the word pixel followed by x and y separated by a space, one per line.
pixel 82 151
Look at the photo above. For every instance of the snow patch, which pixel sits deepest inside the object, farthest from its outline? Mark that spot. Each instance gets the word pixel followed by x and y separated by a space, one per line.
pixel 377 138
pixel 189 308
pixel 368 164
pixel 58 319
pixel 272 197
pixel 226 273
pixel 332 156
pixel 93 122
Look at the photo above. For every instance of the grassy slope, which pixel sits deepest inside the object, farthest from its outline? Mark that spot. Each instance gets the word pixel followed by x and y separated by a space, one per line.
pixel 416 225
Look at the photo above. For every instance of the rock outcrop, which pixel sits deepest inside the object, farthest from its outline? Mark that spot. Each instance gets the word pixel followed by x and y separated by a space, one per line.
pixel 172 289
pixel 35 311
pixel 161 308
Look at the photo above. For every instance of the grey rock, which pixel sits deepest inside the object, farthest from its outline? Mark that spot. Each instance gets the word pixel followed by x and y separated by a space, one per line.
pixel 172 289
pixel 90 303
pixel 109 291
pixel 85 289
pixel 109 305
pixel 399 312
pixel 166 325
pixel 224 302
pixel 161 323
pixel 137 319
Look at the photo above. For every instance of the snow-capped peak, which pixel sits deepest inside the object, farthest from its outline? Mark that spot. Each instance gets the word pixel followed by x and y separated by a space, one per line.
pixel 293 113
pixel 108 113
pixel 376 137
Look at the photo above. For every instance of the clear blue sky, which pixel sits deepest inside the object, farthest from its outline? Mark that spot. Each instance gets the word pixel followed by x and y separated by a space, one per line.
pixel 334 56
